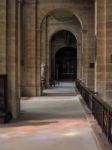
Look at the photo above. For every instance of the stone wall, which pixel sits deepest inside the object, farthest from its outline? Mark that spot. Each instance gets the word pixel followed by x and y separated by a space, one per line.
pixel 108 50
pixel 103 75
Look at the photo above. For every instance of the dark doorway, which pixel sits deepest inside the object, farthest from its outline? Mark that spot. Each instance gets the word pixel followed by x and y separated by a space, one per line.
pixel 66 64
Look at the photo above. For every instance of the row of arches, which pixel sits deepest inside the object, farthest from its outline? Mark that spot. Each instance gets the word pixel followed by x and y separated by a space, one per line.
pixel 66 32
pixel 32 44
pixel 60 29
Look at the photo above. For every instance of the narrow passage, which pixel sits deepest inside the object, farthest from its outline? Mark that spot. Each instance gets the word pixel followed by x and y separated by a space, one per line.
pixel 51 122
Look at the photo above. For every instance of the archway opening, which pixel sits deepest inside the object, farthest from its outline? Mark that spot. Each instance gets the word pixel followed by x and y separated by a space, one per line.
pixel 63 56
pixel 66 64
pixel 63 24
pixel 59 30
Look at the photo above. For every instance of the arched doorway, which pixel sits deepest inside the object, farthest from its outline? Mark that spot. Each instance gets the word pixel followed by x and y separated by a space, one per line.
pixel 63 56
pixel 66 64
pixel 64 22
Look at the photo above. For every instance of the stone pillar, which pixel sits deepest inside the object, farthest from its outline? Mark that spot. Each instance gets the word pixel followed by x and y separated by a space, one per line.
pixel 2 36
pixel 43 41
pixel 12 57
pixel 91 49
pixel 19 51
pixel 109 50
pixel 84 56
pixel 79 58
pixel 44 46
pixel 38 63
pixel 28 49
pixel 48 55
pixel 100 75
pixel 38 54
pixel 52 59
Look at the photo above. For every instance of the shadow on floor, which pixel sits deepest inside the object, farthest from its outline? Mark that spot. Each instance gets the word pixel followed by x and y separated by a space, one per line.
pixel 17 123
pixel 44 116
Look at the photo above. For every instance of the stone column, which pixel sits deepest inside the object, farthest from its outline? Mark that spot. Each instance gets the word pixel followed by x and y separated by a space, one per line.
pixel 79 58
pixel 12 57
pixel 100 75
pixel 109 50
pixel 44 46
pixel 48 56
pixel 38 54
pixel 2 36
pixel 38 63
pixel 43 41
pixel 19 51
pixel 84 56
pixel 28 49
pixel 91 49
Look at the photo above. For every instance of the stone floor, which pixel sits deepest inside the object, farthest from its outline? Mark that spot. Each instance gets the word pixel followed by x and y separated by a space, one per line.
pixel 57 121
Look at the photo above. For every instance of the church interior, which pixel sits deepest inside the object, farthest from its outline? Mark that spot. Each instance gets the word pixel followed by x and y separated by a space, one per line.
pixel 56 74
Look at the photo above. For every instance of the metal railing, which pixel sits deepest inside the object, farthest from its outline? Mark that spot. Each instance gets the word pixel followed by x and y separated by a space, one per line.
pixel 101 110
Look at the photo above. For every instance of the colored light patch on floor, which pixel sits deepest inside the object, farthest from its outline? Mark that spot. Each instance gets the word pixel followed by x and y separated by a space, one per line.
pixel 42 137
pixel 52 136
pixel 61 125
pixel 71 134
